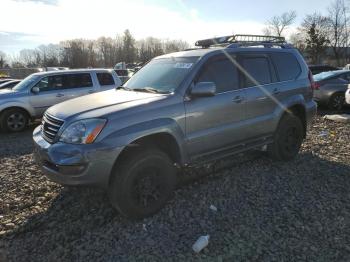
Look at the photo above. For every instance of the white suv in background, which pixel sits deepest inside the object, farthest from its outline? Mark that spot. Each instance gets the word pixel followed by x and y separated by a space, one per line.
pixel 30 98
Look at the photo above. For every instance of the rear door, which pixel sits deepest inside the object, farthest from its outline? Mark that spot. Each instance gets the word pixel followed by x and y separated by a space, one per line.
pixel 259 81
pixel 213 123
pixel 76 85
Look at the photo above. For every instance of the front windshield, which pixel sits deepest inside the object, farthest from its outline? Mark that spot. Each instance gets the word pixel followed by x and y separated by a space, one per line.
pixel 23 85
pixel 325 75
pixel 161 75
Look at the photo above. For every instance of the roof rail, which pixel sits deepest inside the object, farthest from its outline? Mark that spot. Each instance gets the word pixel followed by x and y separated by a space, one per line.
pixel 244 40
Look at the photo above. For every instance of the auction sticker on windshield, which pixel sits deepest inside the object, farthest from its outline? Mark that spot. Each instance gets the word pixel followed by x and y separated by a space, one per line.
pixel 183 65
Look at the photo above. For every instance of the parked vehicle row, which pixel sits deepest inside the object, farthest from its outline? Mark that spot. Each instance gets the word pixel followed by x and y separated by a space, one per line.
pixel 330 88
pixel 31 97
pixel 9 84
pixel 230 95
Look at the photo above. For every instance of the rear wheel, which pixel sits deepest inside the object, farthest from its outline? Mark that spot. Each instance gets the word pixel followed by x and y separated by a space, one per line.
pixel 142 183
pixel 288 138
pixel 13 120
pixel 337 101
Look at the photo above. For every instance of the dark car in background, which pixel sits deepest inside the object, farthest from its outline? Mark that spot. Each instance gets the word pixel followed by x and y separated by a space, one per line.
pixel 330 87
pixel 9 84
pixel 316 69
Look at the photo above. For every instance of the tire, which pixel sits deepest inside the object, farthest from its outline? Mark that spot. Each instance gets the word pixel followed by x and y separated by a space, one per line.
pixel 336 101
pixel 142 183
pixel 288 138
pixel 13 120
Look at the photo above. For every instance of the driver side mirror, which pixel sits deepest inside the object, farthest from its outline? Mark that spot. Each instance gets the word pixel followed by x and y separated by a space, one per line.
pixel 203 89
pixel 36 90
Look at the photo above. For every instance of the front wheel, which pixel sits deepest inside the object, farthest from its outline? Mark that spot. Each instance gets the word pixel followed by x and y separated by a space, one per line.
pixel 288 138
pixel 13 120
pixel 142 183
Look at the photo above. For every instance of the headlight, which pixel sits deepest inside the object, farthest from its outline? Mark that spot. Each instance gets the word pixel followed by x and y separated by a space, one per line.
pixel 83 131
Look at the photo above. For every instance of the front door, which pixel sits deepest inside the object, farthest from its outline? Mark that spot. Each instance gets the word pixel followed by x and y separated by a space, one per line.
pixel 50 88
pixel 213 123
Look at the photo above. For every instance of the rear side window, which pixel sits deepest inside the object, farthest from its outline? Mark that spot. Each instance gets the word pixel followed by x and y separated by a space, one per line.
pixel 222 72
pixel 77 80
pixel 258 68
pixel 105 79
pixel 287 66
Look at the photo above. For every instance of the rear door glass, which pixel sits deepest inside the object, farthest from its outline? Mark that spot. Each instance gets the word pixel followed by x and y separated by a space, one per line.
pixel 287 66
pixel 256 70
pixel 77 80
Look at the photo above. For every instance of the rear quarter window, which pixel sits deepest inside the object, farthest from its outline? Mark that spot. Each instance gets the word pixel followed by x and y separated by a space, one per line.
pixel 287 66
pixel 105 79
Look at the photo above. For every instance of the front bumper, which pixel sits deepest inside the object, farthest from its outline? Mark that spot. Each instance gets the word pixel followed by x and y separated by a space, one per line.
pixel 69 164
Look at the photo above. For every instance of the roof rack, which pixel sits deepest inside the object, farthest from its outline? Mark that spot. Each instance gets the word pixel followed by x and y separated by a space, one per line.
pixel 244 40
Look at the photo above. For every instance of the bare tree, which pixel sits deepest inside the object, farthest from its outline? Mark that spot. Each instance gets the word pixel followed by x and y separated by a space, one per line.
pixel 338 28
pixel 28 57
pixel 2 59
pixel 278 24
pixel 103 52
pixel 314 29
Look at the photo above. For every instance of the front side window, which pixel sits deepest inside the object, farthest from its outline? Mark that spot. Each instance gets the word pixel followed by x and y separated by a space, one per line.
pixel 49 83
pixel 256 71
pixel 162 75
pixel 105 79
pixel 222 72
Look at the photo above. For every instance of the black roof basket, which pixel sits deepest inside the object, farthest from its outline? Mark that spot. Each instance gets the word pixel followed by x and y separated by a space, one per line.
pixel 242 40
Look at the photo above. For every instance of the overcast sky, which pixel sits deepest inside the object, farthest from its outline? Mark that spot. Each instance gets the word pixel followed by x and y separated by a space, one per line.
pixel 29 23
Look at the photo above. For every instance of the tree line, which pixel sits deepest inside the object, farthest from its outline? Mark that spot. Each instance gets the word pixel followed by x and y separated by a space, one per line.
pixel 319 35
pixel 102 52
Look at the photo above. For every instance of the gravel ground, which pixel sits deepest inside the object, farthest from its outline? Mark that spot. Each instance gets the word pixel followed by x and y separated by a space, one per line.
pixel 267 211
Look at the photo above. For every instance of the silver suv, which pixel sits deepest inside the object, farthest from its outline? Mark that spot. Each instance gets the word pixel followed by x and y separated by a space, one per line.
pixel 30 98
pixel 181 109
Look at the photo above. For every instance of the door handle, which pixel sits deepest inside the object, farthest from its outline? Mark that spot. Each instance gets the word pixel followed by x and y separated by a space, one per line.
pixel 237 99
pixel 59 95
pixel 276 91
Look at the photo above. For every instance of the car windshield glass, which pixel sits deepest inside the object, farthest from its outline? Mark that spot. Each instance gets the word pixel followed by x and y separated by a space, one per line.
pixel 325 75
pixel 161 75
pixel 23 85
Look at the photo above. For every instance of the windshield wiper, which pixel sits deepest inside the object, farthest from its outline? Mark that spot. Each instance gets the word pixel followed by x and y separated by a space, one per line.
pixel 123 87
pixel 150 90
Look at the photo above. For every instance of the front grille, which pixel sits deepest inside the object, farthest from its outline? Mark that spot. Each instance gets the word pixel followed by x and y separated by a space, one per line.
pixel 50 127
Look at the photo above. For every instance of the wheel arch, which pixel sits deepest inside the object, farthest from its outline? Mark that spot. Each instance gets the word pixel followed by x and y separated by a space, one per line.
pixel 164 141
pixel 16 107
pixel 298 110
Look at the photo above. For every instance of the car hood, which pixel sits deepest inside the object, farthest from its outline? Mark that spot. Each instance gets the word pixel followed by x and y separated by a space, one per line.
pixel 102 103
pixel 7 93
